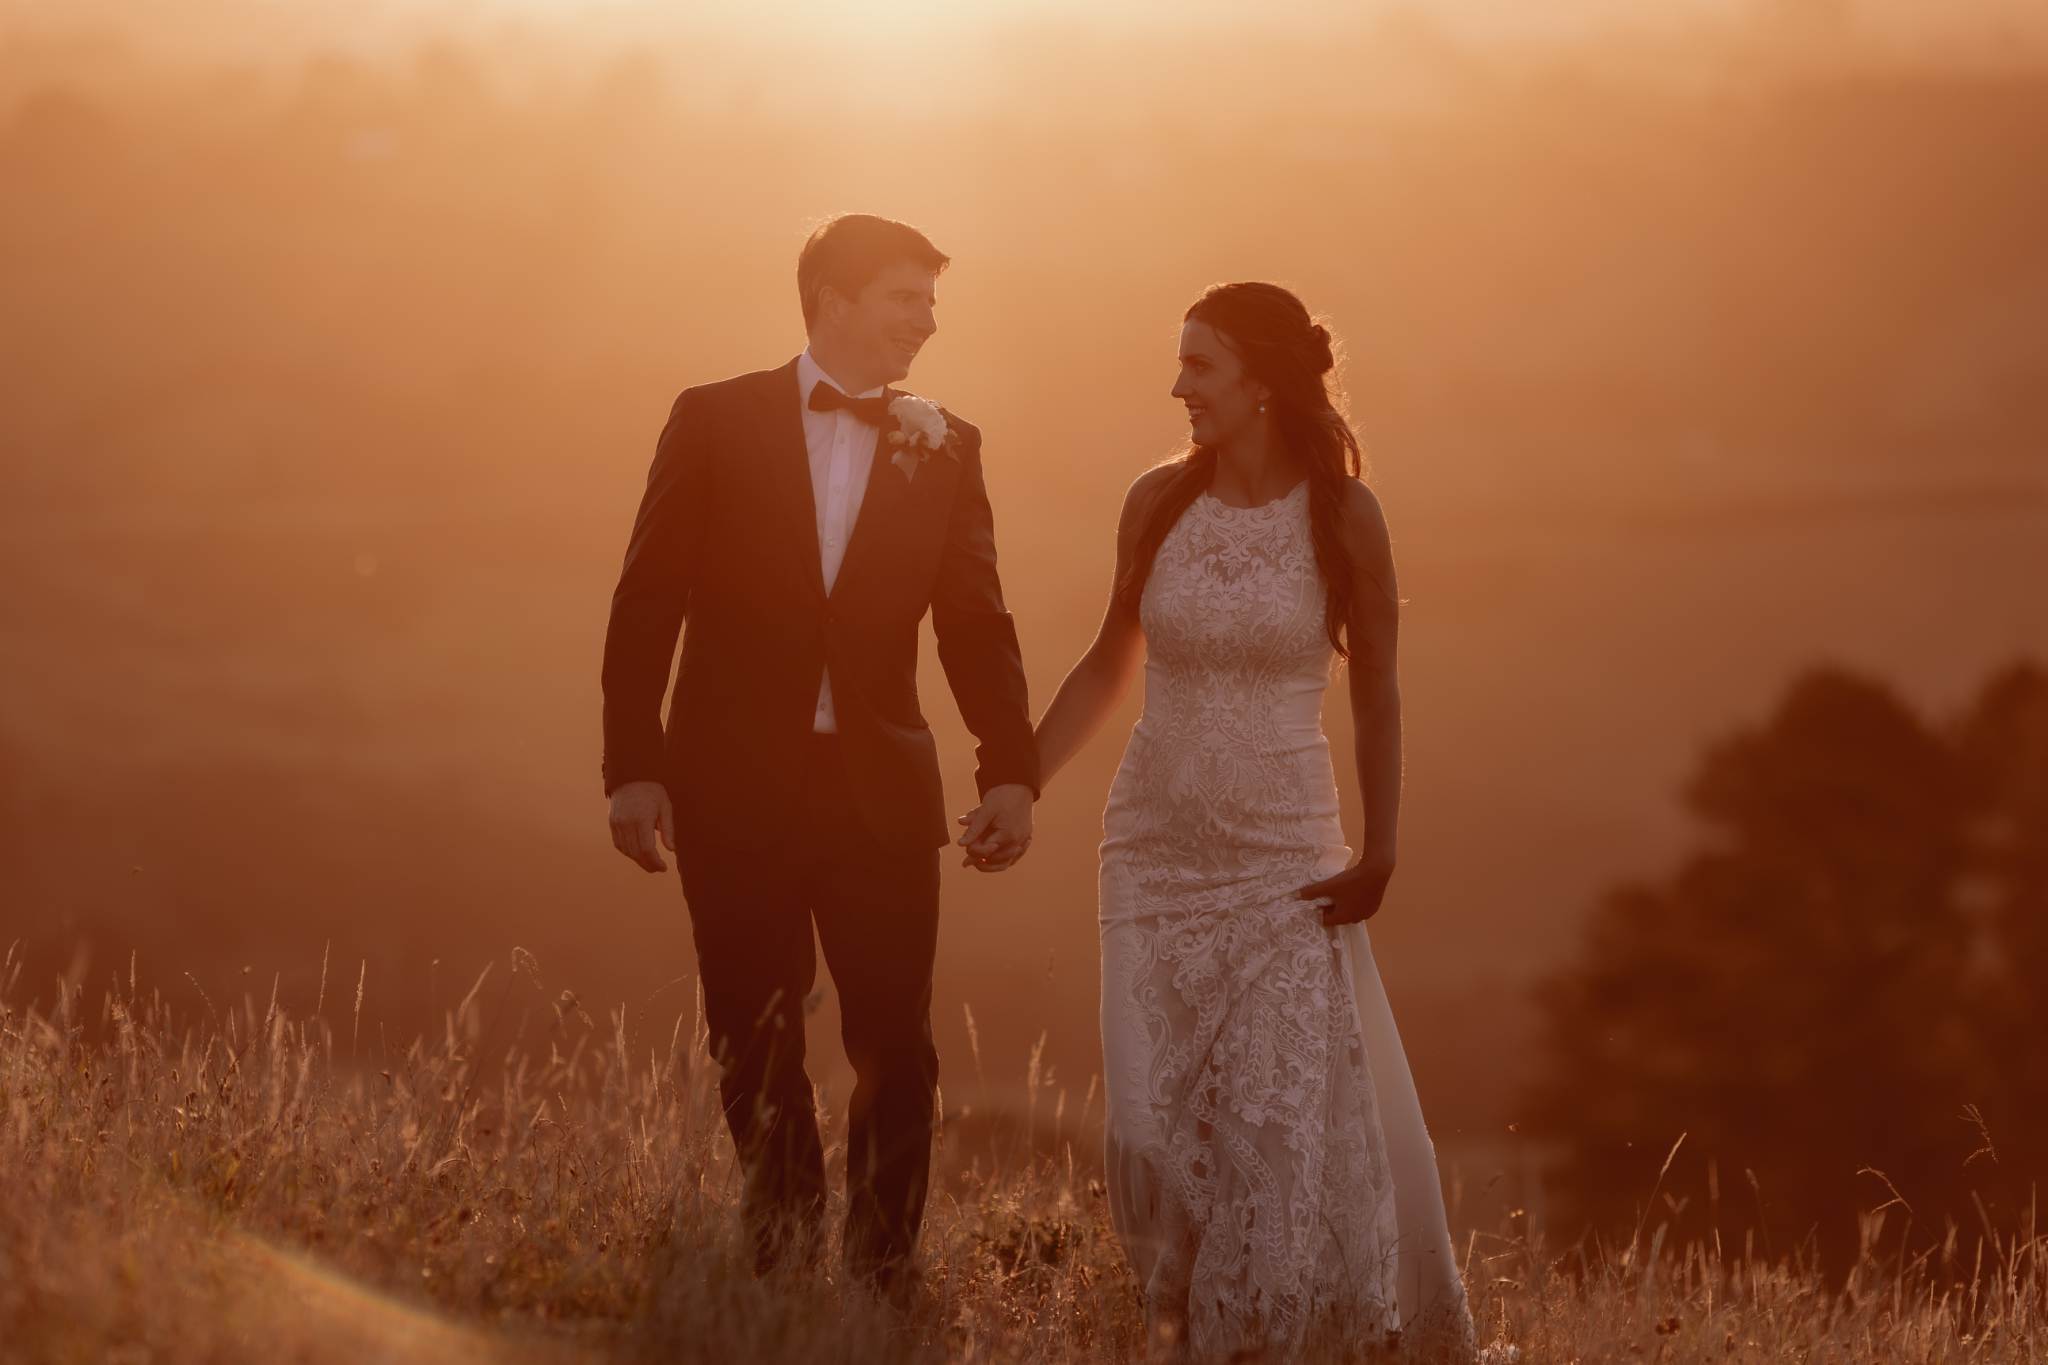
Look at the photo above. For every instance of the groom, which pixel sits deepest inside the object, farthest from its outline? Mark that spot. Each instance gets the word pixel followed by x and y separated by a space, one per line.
pixel 803 520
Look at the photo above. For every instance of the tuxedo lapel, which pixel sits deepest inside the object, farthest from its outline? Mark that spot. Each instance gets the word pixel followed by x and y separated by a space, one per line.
pixel 879 505
pixel 789 461
pixel 893 508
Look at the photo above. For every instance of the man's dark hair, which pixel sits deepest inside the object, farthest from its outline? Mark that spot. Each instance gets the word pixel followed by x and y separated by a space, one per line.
pixel 847 253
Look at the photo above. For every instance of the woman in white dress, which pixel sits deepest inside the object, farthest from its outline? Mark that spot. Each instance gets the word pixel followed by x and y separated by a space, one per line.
pixel 1269 1172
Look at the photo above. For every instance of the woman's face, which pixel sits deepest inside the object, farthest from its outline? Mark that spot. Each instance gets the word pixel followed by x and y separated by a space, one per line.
pixel 1221 399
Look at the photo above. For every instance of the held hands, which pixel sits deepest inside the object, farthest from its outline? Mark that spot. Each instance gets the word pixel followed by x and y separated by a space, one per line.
pixel 641 812
pixel 998 830
pixel 1352 895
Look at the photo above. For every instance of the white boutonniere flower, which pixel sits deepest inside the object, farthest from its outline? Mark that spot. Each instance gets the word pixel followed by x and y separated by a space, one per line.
pixel 920 430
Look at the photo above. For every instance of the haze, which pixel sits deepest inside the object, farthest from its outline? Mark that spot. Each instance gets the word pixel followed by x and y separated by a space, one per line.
pixel 337 339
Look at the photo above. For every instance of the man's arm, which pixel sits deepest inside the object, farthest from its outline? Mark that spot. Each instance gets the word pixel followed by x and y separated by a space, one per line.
pixel 640 640
pixel 984 666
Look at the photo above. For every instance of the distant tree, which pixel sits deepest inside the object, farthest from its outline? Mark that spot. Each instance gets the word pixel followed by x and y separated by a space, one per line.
pixel 1849 960
pixel 2003 742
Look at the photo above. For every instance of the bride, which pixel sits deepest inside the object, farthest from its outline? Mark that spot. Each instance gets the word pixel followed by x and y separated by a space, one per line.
pixel 1269 1172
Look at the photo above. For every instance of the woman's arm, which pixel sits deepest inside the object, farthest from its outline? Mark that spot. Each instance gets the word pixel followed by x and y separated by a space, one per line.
pixel 1097 683
pixel 1372 634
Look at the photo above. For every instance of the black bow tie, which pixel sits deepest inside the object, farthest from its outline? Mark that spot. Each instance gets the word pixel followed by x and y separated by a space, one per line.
pixel 874 411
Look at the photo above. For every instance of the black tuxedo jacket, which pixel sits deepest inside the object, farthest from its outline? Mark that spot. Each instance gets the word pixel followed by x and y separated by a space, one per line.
pixel 727 537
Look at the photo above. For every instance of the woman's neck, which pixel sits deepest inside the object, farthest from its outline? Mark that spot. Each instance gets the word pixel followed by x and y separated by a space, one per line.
pixel 1251 469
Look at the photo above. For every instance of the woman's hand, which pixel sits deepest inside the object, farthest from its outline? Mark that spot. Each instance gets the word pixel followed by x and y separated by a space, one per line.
pixel 1352 896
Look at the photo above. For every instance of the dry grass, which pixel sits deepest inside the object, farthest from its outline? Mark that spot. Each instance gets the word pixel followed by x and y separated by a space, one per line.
pixel 233 1189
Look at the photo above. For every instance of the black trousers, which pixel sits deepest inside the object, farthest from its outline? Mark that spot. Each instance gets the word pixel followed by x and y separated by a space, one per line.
pixel 876 911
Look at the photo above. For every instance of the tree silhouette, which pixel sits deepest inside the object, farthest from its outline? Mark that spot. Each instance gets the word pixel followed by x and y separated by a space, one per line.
pixel 1823 987
pixel 2003 744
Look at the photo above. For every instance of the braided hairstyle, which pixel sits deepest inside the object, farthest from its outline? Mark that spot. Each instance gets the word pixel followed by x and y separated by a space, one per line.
pixel 1288 351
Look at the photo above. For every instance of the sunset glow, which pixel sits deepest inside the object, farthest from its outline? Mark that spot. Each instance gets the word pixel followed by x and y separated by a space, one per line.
pixel 1695 351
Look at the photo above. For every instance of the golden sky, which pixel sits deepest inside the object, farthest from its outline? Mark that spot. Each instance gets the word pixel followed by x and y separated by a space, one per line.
pixel 1981 28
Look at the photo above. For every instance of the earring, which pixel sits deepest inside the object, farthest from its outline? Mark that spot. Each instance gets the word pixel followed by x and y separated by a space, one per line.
pixel 1262 407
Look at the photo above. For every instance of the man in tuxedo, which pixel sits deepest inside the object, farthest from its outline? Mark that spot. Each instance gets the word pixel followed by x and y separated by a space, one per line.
pixel 794 520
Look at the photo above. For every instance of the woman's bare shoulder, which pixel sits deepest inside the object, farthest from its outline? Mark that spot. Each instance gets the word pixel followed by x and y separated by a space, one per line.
pixel 1366 536
pixel 1365 520
pixel 1146 488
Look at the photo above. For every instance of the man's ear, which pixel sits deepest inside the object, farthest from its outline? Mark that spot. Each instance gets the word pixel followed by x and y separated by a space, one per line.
pixel 829 298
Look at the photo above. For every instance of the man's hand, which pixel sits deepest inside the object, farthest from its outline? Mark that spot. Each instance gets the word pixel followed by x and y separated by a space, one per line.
pixel 1352 895
pixel 641 812
pixel 998 830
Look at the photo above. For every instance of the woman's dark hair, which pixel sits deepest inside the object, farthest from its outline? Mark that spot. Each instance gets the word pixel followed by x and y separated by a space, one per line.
pixel 1286 350
pixel 847 253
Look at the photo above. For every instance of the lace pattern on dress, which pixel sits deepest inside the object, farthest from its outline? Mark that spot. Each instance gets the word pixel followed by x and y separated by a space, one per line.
pixel 1249 1176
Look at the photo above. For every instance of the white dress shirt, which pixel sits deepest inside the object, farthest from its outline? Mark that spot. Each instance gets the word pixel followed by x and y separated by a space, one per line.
pixel 842 450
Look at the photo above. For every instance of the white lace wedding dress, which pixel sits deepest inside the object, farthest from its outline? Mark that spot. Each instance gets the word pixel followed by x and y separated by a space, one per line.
pixel 1267 1158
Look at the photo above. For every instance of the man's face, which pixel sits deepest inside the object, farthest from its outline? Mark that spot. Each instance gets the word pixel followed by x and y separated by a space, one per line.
pixel 887 324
